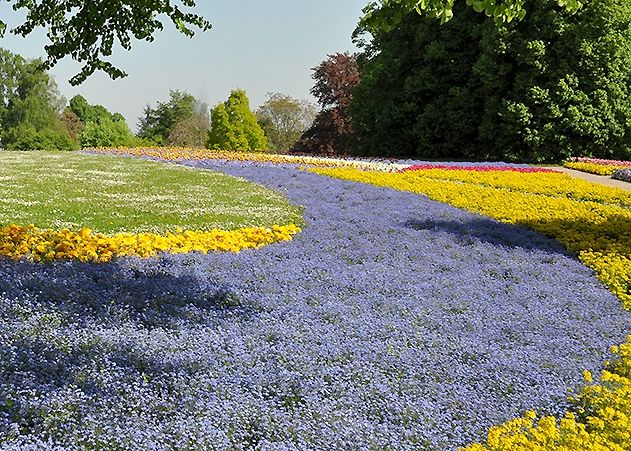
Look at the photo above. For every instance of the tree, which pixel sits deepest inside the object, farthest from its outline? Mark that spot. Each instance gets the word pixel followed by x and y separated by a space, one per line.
pixel 233 126
pixel 547 87
pixel 29 105
pixel 335 78
pixel 107 133
pixel 386 15
pixel 88 31
pixel 89 113
pixel 191 131
pixel 284 119
pixel 99 127
pixel 158 124
pixel 73 124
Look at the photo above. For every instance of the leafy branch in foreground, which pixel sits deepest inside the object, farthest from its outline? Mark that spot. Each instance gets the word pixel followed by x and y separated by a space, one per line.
pixel 87 31
pixel 385 15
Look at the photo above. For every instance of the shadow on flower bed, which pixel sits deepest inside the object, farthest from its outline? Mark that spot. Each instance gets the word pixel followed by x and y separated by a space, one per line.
pixel 128 290
pixel 74 335
pixel 582 234
pixel 485 230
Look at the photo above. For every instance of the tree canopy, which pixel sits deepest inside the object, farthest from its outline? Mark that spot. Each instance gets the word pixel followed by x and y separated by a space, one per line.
pixel 545 88
pixel 335 79
pixel 182 120
pixel 284 119
pixel 96 127
pixel 29 106
pixel 233 125
pixel 385 15
pixel 88 31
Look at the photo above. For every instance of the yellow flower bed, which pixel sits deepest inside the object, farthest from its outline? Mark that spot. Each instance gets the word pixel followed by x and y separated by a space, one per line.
pixel 591 220
pixel 602 421
pixel 592 168
pixel 38 244
pixel 551 184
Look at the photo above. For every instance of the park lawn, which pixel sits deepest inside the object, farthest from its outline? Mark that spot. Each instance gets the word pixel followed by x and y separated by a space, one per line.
pixel 113 194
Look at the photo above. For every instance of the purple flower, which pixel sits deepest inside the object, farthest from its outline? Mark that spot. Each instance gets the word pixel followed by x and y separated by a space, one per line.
pixel 390 322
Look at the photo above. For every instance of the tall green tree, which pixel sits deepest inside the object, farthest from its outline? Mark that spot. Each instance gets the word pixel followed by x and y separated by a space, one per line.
pixel 384 15
pixel 233 126
pixel 30 104
pixel 284 119
pixel 547 87
pixel 89 113
pixel 88 31
pixel 158 124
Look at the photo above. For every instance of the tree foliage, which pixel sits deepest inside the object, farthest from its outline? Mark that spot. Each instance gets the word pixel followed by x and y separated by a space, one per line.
pixel 27 138
pixel 99 127
pixel 335 78
pixel 90 113
pixel 191 131
pixel 88 31
pixel 29 106
pixel 159 124
pixel 284 119
pixel 385 15
pixel 233 126
pixel 547 87
pixel 73 124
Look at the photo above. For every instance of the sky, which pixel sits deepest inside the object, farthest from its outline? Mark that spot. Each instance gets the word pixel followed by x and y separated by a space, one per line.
pixel 258 46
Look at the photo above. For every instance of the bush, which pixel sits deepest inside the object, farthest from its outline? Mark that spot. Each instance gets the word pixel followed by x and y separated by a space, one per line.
pixel 26 138
pixel 233 126
pixel 106 134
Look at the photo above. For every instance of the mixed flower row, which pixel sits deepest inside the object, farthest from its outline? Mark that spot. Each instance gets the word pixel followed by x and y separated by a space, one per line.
pixel 374 164
pixel 46 244
pixel 477 168
pixel 602 161
pixel 596 165
pixel 198 154
pixel 592 221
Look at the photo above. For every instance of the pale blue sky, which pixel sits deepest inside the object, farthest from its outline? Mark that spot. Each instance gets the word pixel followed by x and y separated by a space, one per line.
pixel 259 46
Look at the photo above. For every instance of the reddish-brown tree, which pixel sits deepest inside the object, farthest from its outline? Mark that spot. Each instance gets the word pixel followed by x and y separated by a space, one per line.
pixel 335 79
pixel 73 124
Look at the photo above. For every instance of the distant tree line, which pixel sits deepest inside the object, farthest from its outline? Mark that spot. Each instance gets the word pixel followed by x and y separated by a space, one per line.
pixel 30 105
pixel 34 116
pixel 551 85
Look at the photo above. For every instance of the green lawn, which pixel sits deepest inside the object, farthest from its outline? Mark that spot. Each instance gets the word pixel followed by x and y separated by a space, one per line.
pixel 115 194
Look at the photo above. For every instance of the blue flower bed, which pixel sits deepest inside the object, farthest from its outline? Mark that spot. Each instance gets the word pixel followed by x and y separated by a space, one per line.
pixel 391 322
